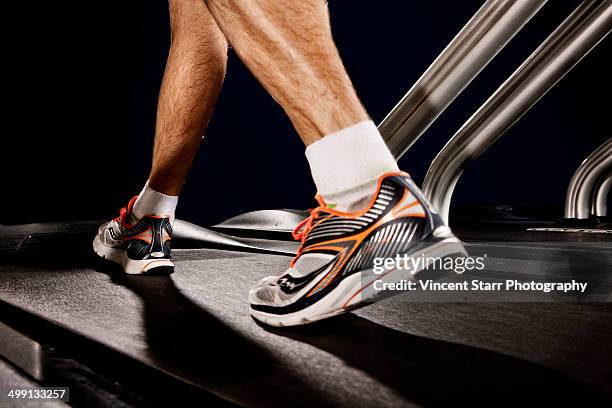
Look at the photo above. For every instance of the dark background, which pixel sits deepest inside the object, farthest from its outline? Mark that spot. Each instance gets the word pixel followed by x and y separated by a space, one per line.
pixel 81 109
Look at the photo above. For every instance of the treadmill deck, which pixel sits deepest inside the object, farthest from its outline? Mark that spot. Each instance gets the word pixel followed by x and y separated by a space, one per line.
pixel 195 326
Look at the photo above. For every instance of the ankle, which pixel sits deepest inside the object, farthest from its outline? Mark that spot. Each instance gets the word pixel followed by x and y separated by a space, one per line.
pixel 152 202
pixel 347 164
pixel 165 187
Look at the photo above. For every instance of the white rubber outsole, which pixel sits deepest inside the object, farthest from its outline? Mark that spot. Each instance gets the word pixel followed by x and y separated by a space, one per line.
pixel 352 292
pixel 130 266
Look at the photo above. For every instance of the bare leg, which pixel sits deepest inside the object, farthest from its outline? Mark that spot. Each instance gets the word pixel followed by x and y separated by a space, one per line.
pixel 366 202
pixel 288 46
pixel 192 82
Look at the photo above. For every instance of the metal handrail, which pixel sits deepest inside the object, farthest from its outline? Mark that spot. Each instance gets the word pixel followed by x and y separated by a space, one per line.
pixel 478 42
pixel 558 54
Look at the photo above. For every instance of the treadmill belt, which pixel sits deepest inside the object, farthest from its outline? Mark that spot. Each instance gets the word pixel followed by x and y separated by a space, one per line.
pixel 195 326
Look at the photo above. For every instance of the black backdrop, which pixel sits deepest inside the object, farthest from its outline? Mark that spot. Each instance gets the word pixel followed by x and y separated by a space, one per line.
pixel 87 75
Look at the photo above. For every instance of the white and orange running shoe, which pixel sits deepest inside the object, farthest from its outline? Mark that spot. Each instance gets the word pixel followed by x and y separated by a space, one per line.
pixel 398 236
pixel 140 246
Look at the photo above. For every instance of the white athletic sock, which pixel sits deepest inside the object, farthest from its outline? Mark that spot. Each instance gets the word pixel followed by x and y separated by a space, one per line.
pixel 346 165
pixel 151 202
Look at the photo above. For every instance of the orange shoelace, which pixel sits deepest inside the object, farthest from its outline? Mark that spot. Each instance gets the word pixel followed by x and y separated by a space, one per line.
pixel 300 232
pixel 303 228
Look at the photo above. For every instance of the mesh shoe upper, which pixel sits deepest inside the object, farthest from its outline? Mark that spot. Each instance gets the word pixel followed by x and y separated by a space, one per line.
pixel 336 244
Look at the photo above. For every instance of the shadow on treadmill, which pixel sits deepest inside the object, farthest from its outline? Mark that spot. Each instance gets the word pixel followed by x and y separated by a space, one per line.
pixel 439 373
pixel 189 342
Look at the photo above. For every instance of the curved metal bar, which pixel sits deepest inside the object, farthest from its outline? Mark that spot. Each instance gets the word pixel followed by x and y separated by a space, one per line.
pixel 478 42
pixel 581 189
pixel 578 201
pixel 599 206
pixel 558 54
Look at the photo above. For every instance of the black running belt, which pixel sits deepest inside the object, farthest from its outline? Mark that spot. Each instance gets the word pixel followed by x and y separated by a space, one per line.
pixel 194 327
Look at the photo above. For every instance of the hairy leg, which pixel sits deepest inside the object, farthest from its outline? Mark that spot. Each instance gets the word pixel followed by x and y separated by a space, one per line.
pixel 288 46
pixel 191 85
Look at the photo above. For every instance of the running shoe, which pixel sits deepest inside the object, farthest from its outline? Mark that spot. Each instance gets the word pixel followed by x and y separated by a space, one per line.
pixel 140 246
pixel 340 256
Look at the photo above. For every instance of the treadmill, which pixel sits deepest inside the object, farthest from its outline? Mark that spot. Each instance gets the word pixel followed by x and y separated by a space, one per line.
pixel 115 340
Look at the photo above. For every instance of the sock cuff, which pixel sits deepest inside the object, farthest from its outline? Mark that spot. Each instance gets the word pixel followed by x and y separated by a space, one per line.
pixel 152 202
pixel 349 158
pixel 148 190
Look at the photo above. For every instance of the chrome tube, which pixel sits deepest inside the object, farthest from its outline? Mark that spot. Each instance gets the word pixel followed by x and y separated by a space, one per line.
pixel 578 201
pixel 493 25
pixel 599 206
pixel 558 54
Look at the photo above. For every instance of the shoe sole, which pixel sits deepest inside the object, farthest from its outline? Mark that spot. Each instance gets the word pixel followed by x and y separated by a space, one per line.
pixel 352 292
pixel 131 266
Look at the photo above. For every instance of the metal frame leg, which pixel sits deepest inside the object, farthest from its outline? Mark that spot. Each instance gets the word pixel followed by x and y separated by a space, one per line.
pixel 599 206
pixel 582 186
pixel 558 54
pixel 578 201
